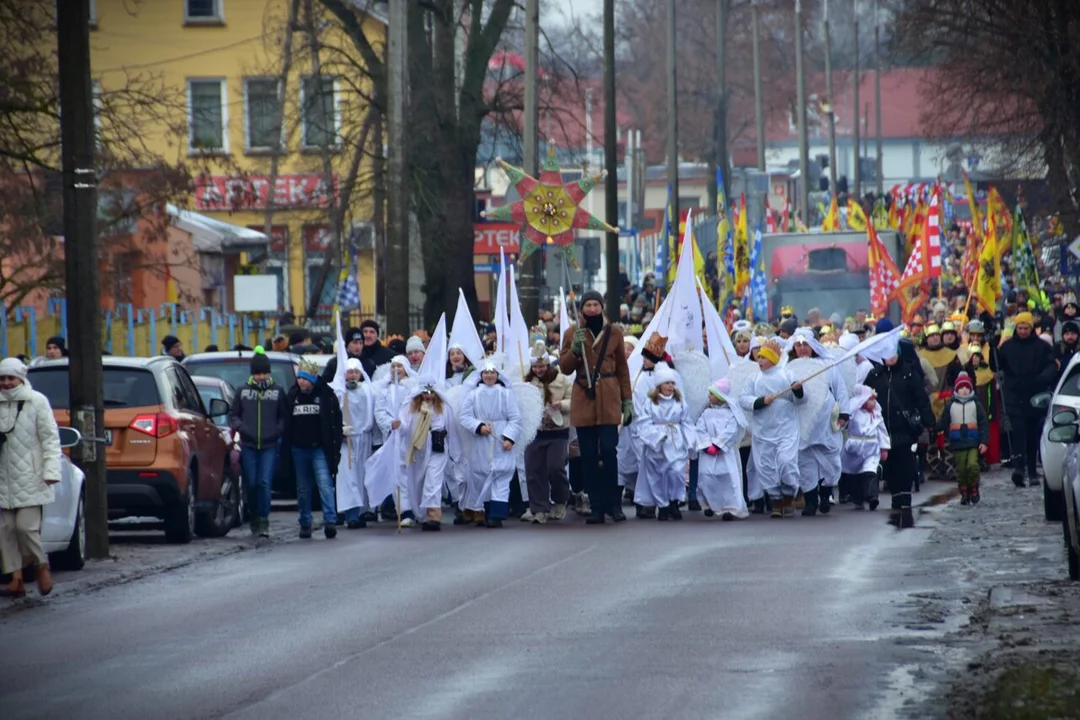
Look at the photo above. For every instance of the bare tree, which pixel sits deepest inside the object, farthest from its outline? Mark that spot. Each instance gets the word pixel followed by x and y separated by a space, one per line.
pixel 1009 75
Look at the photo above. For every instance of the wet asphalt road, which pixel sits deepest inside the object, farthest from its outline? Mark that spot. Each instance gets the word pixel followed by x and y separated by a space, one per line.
pixel 700 619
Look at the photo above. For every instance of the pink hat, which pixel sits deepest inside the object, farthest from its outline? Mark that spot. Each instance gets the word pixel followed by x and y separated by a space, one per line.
pixel 963 380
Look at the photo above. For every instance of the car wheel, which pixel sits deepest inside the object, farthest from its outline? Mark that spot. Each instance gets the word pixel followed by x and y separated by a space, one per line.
pixel 218 519
pixel 1053 503
pixel 74 557
pixel 180 519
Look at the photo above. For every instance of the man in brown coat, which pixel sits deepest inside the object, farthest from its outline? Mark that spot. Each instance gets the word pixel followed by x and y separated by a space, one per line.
pixel 600 401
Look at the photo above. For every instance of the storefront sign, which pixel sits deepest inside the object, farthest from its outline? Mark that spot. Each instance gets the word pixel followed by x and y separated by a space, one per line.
pixel 227 192
pixel 489 237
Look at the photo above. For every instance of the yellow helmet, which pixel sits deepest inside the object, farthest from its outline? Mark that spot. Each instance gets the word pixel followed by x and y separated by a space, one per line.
pixel 931 330
pixel 948 326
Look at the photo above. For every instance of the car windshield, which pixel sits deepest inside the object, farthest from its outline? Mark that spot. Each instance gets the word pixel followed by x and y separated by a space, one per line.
pixel 209 393
pixel 1071 386
pixel 123 387
pixel 236 371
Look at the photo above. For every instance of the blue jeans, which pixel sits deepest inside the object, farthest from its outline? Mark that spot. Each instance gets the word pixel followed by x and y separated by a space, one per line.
pixel 691 493
pixel 258 467
pixel 311 468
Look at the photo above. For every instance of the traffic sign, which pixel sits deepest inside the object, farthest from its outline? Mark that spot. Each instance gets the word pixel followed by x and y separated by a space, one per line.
pixel 488 268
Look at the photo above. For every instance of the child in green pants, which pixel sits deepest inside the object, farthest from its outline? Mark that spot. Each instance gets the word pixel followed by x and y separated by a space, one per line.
pixel 967 433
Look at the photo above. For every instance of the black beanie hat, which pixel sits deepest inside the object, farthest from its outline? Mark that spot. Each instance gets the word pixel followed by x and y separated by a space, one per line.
pixel 354 334
pixel 1070 326
pixel 592 295
pixel 370 324
pixel 58 342
pixel 259 362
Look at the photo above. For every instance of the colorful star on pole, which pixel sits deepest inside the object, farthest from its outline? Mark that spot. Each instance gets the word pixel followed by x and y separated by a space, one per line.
pixel 549 211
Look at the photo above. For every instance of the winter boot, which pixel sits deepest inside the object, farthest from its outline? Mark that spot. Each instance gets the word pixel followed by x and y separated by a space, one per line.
pixel 907 519
pixel 1018 478
pixel 758 507
pixel 15 588
pixel 264 527
pixel 305 532
pixel 811 503
pixel 777 508
pixel 974 493
pixel 674 512
pixel 617 514
pixel 479 518
pixel 965 498
pixel 894 517
pixel 788 506
pixel 586 506
pixel 693 506
pixel 662 514
pixel 824 499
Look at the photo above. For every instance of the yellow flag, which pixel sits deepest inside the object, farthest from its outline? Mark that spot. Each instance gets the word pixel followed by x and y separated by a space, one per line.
pixel 742 251
pixel 989 282
pixel 997 214
pixel 856 218
pixel 831 223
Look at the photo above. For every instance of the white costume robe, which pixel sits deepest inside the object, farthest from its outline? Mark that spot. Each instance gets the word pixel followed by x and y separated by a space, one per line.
pixel 457 468
pixel 819 450
pixel 385 471
pixel 492 467
pixel 867 437
pixel 629 449
pixel 775 450
pixel 862 369
pixel 423 482
pixel 720 475
pixel 355 448
pixel 665 433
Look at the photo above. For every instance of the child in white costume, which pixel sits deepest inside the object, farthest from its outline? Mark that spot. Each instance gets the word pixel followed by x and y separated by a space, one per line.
pixel 775 422
pixel 358 409
pixel 867 446
pixel 490 413
pixel 720 430
pixel 666 434
pixel 384 469
pixel 427 437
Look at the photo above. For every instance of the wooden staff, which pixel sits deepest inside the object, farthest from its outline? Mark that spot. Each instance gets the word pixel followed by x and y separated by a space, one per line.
pixel 585 353
pixel 348 444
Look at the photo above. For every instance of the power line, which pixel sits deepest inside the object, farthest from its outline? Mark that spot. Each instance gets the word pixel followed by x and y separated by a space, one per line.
pixel 208 51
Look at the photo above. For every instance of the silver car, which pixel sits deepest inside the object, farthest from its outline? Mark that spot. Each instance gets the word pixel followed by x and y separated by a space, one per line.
pixel 1064 433
pixel 1066 396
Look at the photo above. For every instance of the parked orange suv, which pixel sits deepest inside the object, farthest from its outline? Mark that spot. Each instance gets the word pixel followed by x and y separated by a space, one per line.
pixel 165 456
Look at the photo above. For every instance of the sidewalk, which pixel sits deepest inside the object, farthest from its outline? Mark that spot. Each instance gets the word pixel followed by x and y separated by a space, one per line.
pixel 1007 618
pixel 136 554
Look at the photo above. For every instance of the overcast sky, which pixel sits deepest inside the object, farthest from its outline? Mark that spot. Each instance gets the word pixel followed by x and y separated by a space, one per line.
pixel 578 7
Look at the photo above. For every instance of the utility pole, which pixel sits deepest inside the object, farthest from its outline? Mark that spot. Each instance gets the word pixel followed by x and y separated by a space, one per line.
pixel 804 159
pixel 81 263
pixel 611 165
pixel 830 100
pixel 721 103
pixel 759 111
pixel 877 97
pixel 531 271
pixel 673 123
pixel 397 250
pixel 856 184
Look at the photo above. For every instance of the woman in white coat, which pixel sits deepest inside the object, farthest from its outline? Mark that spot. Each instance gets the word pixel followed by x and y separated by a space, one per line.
pixel 491 416
pixel 358 409
pixel 29 467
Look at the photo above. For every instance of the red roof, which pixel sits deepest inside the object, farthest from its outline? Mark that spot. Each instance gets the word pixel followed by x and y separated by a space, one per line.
pixel 902 103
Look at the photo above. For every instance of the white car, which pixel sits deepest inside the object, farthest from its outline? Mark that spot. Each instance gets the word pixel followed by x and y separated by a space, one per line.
pixel 63 526
pixel 1066 396
pixel 1065 434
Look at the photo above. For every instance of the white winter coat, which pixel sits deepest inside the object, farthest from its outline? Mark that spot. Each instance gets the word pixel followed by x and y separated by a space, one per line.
pixel 31 454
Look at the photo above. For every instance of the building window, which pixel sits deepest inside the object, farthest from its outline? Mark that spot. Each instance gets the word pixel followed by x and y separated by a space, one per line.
pixel 203 11
pixel 263 113
pixel 320 111
pixel 206 116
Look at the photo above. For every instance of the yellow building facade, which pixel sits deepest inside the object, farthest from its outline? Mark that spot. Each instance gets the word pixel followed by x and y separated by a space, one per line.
pixel 220 66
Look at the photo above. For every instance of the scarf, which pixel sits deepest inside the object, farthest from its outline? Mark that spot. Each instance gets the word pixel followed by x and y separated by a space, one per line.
pixel 421 428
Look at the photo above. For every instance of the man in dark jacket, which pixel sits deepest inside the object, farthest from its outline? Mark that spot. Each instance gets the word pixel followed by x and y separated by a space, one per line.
pixel 905 407
pixel 1027 368
pixel 363 344
pixel 1070 337
pixel 258 415
pixel 313 433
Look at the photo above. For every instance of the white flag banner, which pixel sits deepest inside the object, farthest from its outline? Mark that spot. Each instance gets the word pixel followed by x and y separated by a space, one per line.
pixel 721 350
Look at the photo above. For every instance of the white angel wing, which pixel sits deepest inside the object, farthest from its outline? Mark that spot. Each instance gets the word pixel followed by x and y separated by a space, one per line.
pixel 696 372
pixel 455 397
pixel 847 370
pixel 741 373
pixel 531 407
pixel 381 373
pixel 816 391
